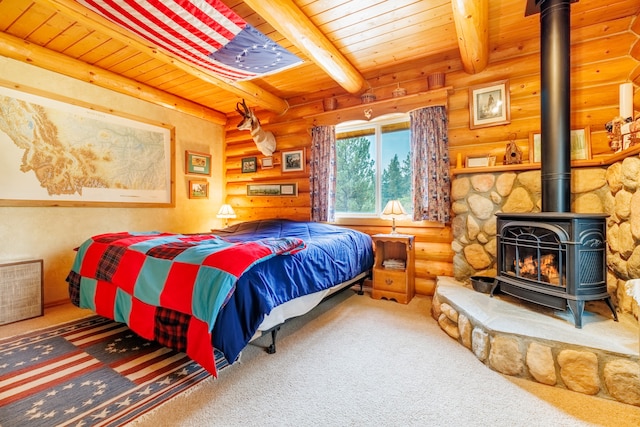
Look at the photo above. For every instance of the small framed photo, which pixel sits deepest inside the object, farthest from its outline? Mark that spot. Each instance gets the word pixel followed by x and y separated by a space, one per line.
pixel 249 164
pixel 197 163
pixel 267 162
pixel 293 161
pixel 479 161
pixel 198 189
pixel 580 140
pixel 489 105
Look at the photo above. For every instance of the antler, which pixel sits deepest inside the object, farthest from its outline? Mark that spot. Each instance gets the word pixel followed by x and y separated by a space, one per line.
pixel 244 107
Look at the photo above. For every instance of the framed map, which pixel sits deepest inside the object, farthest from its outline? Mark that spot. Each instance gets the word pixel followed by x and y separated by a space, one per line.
pixel 54 153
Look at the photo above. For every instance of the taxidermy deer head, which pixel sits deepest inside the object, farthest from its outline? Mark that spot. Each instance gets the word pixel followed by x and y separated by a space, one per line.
pixel 265 140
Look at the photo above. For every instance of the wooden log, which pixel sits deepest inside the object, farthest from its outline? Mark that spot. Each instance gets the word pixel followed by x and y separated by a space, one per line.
pixel 310 40
pixel 472 27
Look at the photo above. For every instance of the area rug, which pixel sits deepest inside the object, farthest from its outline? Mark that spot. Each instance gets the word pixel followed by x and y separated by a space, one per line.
pixel 89 372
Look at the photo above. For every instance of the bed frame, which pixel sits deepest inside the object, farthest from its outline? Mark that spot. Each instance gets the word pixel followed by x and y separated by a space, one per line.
pixel 331 292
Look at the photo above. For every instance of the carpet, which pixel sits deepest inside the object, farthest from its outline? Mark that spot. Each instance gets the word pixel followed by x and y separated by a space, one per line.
pixel 91 371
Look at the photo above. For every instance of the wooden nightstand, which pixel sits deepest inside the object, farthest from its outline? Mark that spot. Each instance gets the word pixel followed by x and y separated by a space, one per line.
pixel 394 280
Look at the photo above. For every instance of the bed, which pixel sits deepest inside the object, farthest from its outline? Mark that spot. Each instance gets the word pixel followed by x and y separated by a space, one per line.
pixel 197 292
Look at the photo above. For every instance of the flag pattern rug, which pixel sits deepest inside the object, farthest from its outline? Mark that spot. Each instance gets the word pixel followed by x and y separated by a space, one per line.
pixel 89 372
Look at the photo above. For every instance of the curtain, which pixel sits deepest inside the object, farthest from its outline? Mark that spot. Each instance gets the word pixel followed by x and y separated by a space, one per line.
pixel 430 163
pixel 322 173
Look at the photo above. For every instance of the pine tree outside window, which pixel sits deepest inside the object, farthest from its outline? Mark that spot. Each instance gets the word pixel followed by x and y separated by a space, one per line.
pixel 373 163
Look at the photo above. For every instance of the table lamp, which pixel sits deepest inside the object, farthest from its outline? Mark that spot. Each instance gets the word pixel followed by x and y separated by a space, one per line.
pixel 392 211
pixel 226 212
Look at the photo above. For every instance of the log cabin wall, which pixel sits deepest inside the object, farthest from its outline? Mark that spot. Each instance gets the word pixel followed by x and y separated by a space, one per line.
pixel 603 56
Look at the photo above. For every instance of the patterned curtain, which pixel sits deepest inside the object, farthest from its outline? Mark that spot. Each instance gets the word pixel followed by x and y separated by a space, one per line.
pixel 322 173
pixel 430 162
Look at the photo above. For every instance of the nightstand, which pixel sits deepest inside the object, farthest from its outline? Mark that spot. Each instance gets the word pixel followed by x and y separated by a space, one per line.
pixel 393 270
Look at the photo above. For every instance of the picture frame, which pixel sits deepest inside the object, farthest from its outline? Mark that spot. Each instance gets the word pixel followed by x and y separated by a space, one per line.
pixel 198 189
pixel 489 104
pixel 266 162
pixel 197 163
pixel 89 170
pixel 287 189
pixel 479 161
pixel 293 161
pixel 580 140
pixel 249 164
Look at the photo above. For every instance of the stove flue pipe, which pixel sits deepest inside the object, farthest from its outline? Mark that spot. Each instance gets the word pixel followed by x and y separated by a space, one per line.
pixel 555 105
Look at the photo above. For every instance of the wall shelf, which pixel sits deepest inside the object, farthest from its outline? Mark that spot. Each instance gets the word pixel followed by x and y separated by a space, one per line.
pixel 401 104
pixel 600 161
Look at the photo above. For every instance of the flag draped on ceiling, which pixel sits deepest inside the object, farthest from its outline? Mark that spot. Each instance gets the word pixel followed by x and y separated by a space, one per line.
pixel 204 32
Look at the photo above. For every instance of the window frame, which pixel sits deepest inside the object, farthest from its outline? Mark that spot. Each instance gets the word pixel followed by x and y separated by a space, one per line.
pixel 377 124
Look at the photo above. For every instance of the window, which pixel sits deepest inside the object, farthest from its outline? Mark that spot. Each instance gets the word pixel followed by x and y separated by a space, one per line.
pixel 373 163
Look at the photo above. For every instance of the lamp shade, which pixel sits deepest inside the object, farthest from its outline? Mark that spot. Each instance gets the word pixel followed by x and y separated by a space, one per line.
pixel 393 210
pixel 226 211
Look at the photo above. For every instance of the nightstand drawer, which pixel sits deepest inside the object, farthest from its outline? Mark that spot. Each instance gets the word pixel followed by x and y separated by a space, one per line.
pixel 390 280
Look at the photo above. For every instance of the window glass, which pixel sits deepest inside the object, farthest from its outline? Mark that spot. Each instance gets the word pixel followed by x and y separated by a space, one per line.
pixel 373 166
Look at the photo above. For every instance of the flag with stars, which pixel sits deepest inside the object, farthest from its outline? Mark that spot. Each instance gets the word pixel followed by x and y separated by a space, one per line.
pixel 88 373
pixel 203 32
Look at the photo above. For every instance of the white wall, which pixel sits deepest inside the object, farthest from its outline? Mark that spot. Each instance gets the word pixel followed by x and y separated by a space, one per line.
pixel 51 233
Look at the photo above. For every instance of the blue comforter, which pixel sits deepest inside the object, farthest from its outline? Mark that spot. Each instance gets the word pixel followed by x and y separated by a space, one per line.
pixel 333 255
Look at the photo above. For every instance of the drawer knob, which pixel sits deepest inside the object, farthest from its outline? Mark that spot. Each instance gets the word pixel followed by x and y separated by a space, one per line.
pixel 388 281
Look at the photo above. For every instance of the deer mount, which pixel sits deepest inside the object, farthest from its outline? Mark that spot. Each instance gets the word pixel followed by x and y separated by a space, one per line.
pixel 265 140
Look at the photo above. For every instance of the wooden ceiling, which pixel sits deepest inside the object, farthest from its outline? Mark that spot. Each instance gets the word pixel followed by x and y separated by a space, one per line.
pixel 343 44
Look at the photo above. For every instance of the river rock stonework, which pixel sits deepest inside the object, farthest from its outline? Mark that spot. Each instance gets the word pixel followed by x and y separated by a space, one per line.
pixel 476 198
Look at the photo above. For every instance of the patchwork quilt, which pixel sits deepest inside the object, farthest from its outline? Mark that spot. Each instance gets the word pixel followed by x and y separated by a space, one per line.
pixel 167 287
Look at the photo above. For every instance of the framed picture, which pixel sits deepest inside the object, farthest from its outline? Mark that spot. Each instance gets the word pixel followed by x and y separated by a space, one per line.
pixel 249 164
pixel 489 105
pixel 197 163
pixel 580 145
pixel 479 161
pixel 289 189
pixel 55 153
pixel 266 162
pixel 293 161
pixel 198 189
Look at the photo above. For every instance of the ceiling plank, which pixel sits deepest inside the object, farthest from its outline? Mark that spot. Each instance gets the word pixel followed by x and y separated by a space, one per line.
pixel 472 26
pixel 243 89
pixel 30 53
pixel 294 25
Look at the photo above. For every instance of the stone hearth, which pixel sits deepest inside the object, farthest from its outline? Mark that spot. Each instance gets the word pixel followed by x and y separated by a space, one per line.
pixel 541 344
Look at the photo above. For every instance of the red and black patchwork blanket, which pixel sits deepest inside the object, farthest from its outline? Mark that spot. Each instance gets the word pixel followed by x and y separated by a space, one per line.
pixel 167 287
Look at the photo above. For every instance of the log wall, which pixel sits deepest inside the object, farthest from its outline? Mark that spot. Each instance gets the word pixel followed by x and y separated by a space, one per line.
pixel 603 56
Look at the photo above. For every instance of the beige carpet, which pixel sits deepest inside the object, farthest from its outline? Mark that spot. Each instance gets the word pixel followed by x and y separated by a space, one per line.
pixel 355 361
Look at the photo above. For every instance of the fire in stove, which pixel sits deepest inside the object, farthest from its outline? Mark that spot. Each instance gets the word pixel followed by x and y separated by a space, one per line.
pixel 543 270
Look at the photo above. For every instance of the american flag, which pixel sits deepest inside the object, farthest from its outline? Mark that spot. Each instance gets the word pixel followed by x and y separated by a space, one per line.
pixel 204 32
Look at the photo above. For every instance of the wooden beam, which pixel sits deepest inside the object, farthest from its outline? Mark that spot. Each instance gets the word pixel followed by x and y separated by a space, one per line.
pixel 293 24
pixel 21 50
pixel 244 89
pixel 471 18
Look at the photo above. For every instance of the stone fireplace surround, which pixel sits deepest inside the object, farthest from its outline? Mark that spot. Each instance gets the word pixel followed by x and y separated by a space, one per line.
pixel 600 371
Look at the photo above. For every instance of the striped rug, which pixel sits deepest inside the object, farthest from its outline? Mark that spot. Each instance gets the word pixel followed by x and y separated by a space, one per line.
pixel 90 372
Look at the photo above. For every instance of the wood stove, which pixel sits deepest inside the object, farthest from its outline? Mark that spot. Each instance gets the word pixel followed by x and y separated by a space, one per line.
pixel 554 259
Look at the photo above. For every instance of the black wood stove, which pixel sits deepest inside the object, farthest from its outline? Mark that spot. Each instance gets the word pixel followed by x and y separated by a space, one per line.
pixel 554 258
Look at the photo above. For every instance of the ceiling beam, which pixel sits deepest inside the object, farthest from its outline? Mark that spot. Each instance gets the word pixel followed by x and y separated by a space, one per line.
pixel 294 25
pixel 21 50
pixel 243 89
pixel 471 18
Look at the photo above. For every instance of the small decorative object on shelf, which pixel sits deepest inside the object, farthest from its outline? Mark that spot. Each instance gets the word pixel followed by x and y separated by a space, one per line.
pixel 399 91
pixel 329 104
pixel 513 153
pixel 367 97
pixel 436 80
